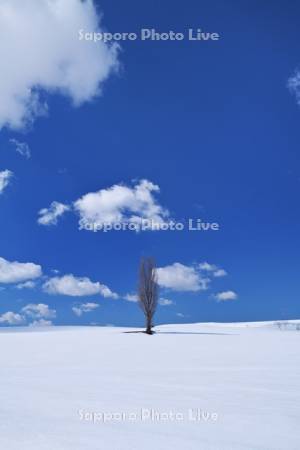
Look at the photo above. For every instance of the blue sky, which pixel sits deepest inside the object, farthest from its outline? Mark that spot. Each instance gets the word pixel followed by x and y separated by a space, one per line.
pixel 212 124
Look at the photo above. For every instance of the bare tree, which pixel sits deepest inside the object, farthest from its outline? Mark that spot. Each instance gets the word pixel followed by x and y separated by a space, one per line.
pixel 148 291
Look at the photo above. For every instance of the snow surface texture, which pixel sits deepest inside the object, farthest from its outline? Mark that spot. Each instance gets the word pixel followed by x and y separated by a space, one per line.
pixel 57 383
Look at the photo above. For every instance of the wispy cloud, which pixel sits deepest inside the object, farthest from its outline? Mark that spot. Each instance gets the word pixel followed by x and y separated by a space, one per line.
pixel 78 310
pixel 49 216
pixel 21 147
pixel 131 298
pixel 26 285
pixel 41 323
pixel 294 85
pixel 220 273
pixel 226 295
pixel 5 178
pixel 165 302
pixel 161 301
pixel 216 271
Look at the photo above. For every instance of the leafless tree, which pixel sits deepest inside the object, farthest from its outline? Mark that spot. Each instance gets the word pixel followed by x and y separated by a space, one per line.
pixel 148 291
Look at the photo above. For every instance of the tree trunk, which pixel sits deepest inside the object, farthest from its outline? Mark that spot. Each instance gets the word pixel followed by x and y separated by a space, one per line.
pixel 148 291
pixel 149 327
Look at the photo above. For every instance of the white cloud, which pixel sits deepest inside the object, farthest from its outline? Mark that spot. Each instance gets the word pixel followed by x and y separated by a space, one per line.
pixel 5 178
pixel 76 287
pixel 134 298
pixel 11 318
pixel 220 273
pixel 131 297
pixel 216 271
pixel 165 302
pixel 84 308
pixel 39 311
pixel 26 285
pixel 49 216
pixel 179 277
pixel 15 272
pixel 226 295
pixel 43 52
pixel 21 147
pixel 121 204
pixel 207 267
pixel 41 323
pixel 294 85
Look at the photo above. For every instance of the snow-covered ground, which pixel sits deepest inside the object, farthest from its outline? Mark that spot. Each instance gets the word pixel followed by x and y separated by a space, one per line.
pixel 189 387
